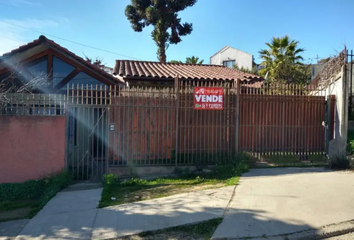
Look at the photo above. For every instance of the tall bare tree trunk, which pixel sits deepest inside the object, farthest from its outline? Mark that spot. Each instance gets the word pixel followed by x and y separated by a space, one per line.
pixel 162 53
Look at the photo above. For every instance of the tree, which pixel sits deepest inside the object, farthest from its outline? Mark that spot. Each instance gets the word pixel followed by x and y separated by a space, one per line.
pixel 163 15
pixel 194 60
pixel 253 71
pixel 283 61
pixel 175 61
pixel 189 60
pixel 96 62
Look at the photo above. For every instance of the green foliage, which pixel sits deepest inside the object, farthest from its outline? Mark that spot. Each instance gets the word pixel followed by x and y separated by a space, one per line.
pixel 130 190
pixel 163 16
pixel 350 140
pixel 27 190
pixel 42 190
pixel 110 179
pixel 190 60
pixel 340 162
pixel 194 60
pixel 283 62
pixel 175 61
pixel 253 71
pixel 10 205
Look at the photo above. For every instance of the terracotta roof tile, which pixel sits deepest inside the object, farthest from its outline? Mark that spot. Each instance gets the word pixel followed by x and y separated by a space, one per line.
pixel 51 43
pixel 142 69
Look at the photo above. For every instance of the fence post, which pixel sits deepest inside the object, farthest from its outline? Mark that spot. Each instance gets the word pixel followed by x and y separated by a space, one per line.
pixel 177 106
pixel 67 122
pixel 238 93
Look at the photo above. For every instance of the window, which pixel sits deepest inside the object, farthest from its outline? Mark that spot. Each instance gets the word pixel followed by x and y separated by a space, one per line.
pixel 229 64
pixel 38 67
pixel 60 70
pixel 85 80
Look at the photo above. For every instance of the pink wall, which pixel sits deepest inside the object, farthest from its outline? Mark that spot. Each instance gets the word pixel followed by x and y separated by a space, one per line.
pixel 31 147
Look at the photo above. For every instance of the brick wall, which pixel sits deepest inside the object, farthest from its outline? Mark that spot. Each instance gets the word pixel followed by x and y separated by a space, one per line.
pixel 31 147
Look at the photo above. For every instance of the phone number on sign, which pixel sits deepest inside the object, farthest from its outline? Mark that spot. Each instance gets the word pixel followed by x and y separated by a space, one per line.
pixel 205 105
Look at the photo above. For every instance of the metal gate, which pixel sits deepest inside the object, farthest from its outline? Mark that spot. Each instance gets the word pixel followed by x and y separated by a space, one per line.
pixel 87 134
pixel 159 126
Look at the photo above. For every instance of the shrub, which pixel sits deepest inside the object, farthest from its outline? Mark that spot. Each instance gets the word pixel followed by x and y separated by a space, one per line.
pixel 53 184
pixel 110 179
pixel 43 189
pixel 339 162
pixel 133 181
pixel 28 190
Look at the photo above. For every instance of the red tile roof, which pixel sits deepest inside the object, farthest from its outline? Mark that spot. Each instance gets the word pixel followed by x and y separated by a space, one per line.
pixel 51 43
pixel 156 70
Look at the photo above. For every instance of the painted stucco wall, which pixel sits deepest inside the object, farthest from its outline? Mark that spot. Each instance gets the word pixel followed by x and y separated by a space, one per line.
pixel 243 59
pixel 339 86
pixel 31 147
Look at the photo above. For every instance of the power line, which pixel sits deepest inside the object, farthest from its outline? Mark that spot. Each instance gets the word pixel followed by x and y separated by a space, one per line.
pixel 96 48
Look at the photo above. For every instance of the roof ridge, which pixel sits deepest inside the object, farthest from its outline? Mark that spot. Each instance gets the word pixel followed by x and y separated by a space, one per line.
pixel 186 71
pixel 168 63
pixel 52 44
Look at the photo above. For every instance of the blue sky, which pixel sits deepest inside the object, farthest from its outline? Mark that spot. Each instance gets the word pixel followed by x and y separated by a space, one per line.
pixel 322 27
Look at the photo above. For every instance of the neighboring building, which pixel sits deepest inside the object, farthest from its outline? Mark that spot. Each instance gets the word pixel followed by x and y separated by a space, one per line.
pixel 108 70
pixel 229 56
pixel 140 73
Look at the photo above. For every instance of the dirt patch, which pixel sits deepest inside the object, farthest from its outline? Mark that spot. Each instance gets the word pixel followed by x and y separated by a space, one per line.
pixel 162 191
pixel 15 214
pixel 173 235
pixel 203 230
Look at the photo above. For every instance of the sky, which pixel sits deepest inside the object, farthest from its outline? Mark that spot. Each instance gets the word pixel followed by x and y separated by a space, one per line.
pixel 322 27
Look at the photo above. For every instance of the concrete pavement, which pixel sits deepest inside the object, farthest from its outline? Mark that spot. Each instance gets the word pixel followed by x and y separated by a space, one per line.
pixel 74 214
pixel 9 230
pixel 69 215
pixel 181 209
pixel 268 202
pixel 271 202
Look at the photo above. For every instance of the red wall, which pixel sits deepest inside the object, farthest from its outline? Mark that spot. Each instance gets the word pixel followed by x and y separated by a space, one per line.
pixel 31 147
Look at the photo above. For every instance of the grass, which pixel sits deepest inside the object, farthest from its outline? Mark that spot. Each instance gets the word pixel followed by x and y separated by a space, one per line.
pixel 117 192
pixel 202 230
pixel 350 141
pixel 342 161
pixel 279 157
pixel 288 159
pixel 24 200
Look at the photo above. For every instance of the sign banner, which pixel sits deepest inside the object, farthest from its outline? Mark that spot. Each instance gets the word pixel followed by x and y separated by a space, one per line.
pixel 208 98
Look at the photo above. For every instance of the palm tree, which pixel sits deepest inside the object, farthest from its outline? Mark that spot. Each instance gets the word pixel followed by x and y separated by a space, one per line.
pixel 282 59
pixel 175 61
pixel 194 60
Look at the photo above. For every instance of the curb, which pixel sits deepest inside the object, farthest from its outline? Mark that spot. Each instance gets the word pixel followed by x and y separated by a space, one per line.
pixel 323 232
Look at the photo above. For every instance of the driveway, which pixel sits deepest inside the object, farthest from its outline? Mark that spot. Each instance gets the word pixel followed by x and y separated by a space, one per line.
pixel 270 202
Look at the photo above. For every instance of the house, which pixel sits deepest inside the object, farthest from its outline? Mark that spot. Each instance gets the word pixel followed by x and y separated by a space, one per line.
pixel 56 64
pixel 84 130
pixel 138 73
pixel 229 56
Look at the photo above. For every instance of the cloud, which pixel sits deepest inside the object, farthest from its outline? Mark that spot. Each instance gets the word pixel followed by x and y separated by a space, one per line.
pixel 14 33
pixel 19 2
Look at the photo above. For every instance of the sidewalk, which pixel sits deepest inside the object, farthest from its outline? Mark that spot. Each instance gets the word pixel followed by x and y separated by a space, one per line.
pixel 268 202
pixel 9 230
pixel 74 214
pixel 278 201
